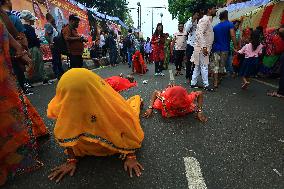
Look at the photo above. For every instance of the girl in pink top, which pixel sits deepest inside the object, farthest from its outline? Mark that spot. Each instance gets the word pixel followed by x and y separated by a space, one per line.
pixel 251 51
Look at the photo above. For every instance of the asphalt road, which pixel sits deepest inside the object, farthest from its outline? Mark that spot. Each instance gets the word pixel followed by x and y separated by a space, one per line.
pixel 237 149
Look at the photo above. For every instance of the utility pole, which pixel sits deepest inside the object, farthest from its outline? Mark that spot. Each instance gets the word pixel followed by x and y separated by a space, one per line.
pixel 153 15
pixel 139 16
pixel 138 23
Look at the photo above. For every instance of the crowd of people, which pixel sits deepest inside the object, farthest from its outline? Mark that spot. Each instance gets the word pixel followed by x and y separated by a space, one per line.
pixel 98 128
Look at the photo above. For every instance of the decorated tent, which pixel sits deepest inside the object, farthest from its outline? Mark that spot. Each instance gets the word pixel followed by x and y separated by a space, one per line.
pixel 255 13
pixel 271 15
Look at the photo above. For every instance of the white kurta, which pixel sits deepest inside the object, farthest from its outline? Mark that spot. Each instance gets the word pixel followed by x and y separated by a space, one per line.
pixel 204 38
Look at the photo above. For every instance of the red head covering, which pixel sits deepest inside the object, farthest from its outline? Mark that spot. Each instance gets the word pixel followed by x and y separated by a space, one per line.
pixel 120 84
pixel 175 101
pixel 138 63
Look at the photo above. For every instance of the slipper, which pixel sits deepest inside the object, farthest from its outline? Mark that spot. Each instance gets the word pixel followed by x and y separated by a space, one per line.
pixel 245 85
pixel 275 94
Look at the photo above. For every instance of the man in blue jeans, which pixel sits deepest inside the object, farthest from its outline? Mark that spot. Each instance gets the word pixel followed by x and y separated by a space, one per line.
pixel 130 47
pixel 223 33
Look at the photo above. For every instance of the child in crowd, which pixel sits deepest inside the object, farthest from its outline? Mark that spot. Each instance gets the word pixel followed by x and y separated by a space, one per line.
pixel 252 51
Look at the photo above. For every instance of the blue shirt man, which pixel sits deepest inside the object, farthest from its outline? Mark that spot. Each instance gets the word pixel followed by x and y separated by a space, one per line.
pixel 223 33
pixel 222 36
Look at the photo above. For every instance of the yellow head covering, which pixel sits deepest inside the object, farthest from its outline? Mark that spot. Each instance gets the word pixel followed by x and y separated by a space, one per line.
pixel 88 109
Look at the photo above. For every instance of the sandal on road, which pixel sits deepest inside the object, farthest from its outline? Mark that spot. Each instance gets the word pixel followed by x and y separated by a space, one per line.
pixel 275 94
pixel 245 85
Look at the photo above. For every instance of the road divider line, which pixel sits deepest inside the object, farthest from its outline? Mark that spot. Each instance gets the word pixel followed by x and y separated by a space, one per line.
pixel 193 173
pixel 172 78
pixel 266 83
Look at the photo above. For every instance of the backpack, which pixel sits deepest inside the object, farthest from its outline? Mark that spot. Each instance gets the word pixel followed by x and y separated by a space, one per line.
pixel 60 44
pixel 129 41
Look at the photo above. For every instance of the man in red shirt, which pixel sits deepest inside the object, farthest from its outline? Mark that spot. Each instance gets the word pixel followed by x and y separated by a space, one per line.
pixel 74 42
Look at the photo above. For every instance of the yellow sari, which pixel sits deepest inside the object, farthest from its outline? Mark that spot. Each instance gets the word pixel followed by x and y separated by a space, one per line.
pixel 92 118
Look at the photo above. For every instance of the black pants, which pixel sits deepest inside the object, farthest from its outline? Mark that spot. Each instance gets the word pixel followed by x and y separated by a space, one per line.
pixel 76 61
pixel 179 55
pixel 57 63
pixel 113 56
pixel 20 74
pixel 147 56
pixel 158 67
pixel 189 65
pixel 281 82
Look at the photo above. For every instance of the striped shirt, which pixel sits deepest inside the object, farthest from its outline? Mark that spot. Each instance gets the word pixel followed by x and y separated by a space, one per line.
pixel 180 40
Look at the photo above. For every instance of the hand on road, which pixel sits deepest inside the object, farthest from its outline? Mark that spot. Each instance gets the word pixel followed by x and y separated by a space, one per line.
pixel 148 113
pixel 132 164
pixel 201 117
pixel 62 170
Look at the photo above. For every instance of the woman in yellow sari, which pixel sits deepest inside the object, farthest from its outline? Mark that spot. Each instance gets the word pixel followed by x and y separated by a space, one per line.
pixel 92 119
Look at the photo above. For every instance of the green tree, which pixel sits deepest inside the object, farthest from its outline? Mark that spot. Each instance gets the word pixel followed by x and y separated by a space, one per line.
pixel 183 9
pixel 129 22
pixel 116 8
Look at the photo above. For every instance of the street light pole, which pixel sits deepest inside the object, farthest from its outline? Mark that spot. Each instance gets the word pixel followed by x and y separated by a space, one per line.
pixel 152 20
pixel 139 15
pixel 140 18
pixel 153 16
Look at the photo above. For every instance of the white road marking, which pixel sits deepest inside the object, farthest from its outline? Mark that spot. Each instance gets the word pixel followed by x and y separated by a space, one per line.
pixel 266 83
pixel 172 78
pixel 193 173
pixel 277 172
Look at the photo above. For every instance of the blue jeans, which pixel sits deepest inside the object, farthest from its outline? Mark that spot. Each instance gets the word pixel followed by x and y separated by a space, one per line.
pixel 229 64
pixel 130 52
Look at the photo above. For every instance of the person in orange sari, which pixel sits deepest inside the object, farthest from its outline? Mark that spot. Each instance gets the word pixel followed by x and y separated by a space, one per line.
pixel 139 65
pixel 119 83
pixel 105 124
pixel 175 101
pixel 21 125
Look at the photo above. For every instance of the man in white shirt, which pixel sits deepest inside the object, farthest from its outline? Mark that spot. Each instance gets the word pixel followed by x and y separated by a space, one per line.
pixel 190 28
pixel 180 38
pixel 202 47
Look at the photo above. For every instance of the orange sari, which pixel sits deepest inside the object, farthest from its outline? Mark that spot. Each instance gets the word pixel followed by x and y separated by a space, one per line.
pixel 20 122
